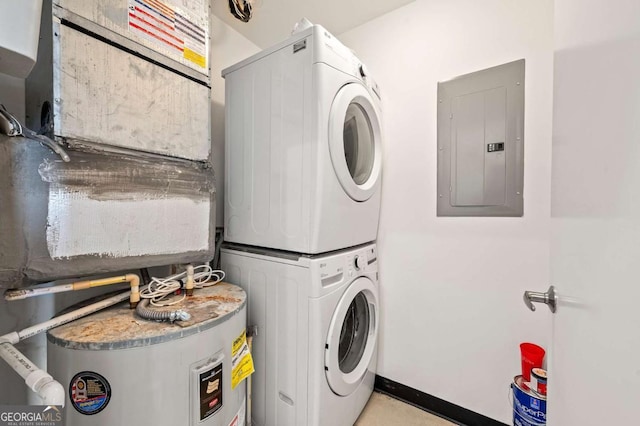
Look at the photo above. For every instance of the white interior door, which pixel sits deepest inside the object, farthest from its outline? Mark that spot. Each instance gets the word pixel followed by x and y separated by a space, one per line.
pixel 594 363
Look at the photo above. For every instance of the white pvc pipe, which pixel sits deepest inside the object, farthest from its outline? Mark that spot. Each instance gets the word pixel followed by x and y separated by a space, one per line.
pixel 38 380
pixel 132 279
pixel 13 357
pixel 17 336
pixel 249 420
pixel 11 295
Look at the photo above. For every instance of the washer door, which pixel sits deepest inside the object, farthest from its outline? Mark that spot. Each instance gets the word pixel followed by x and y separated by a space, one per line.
pixel 352 337
pixel 354 141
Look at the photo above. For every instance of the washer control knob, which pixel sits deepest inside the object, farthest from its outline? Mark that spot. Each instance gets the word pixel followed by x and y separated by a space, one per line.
pixel 363 70
pixel 361 262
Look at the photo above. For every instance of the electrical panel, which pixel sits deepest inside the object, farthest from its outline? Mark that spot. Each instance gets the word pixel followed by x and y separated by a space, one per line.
pixel 481 143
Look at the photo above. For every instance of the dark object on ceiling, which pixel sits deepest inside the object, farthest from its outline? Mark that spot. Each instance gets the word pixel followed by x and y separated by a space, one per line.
pixel 241 9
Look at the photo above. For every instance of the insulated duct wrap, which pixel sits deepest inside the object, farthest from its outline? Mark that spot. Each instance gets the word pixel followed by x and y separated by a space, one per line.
pixel 101 212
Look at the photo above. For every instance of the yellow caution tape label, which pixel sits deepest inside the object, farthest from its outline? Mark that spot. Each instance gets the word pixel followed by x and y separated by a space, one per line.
pixel 241 360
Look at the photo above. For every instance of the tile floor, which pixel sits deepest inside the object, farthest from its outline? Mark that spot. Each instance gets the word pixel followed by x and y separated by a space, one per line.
pixel 382 410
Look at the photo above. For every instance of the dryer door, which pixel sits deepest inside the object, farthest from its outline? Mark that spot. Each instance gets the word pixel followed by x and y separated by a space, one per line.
pixel 354 141
pixel 351 341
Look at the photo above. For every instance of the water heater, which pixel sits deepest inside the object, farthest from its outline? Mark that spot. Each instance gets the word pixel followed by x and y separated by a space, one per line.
pixel 121 370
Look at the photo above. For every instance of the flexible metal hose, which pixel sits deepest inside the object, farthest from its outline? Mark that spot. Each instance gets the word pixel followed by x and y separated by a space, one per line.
pixel 152 314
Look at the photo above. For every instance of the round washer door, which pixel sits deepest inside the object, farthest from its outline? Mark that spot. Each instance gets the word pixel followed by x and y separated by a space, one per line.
pixel 354 141
pixel 352 337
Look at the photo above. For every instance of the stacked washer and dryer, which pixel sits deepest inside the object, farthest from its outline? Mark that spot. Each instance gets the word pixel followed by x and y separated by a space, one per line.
pixel 302 201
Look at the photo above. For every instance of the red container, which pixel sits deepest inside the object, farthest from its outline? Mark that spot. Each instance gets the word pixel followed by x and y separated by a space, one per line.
pixel 532 356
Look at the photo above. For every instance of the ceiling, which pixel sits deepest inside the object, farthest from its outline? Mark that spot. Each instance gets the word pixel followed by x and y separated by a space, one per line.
pixel 273 20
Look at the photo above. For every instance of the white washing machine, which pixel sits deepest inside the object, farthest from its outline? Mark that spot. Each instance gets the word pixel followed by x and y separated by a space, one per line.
pixel 302 147
pixel 317 317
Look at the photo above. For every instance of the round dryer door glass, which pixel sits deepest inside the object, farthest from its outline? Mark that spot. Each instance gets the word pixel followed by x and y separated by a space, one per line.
pixel 354 141
pixel 359 151
pixel 354 334
pixel 351 340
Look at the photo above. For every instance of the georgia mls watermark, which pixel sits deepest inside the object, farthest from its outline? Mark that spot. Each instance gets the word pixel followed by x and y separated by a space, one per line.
pixel 31 415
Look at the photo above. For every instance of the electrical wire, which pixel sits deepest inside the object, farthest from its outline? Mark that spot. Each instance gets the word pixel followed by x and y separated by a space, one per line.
pixel 160 289
pixel 241 9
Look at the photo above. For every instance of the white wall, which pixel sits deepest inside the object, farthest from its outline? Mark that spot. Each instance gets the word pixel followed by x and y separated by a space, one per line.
pixel 227 47
pixel 12 95
pixel 451 288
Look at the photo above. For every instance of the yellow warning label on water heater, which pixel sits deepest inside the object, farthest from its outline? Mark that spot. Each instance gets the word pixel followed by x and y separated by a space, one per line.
pixel 241 360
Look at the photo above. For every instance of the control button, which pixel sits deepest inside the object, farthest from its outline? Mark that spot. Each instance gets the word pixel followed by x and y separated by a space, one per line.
pixel 360 262
pixel 363 70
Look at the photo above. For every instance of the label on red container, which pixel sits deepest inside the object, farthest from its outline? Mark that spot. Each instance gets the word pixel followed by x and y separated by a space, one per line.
pixel 89 392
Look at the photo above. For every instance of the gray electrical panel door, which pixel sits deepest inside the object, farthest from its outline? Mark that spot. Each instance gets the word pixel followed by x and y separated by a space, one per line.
pixel 480 143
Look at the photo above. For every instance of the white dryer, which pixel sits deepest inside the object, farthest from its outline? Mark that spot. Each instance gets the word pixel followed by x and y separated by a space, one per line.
pixel 302 147
pixel 317 317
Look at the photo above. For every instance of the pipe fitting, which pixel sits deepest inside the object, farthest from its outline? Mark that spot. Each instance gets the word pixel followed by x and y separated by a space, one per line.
pixel 190 284
pixel 132 279
pixel 35 378
pixel 51 392
pixel 12 338
pixel 154 315
pixel 180 315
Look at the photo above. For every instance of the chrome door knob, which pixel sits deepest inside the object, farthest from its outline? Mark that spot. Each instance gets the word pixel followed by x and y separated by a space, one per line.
pixel 550 298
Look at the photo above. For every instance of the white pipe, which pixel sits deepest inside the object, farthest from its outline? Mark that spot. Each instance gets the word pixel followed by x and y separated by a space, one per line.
pixel 25 293
pixel 38 380
pixel 17 336
pixel 251 331
pixel 132 279
pixel 249 421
